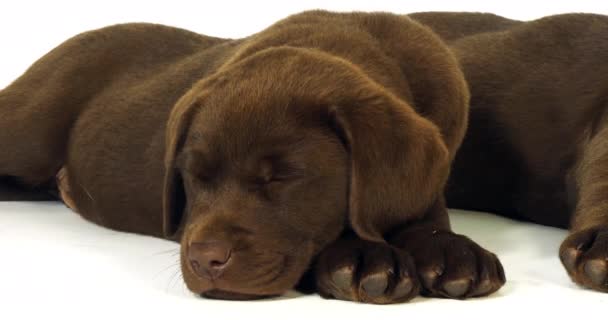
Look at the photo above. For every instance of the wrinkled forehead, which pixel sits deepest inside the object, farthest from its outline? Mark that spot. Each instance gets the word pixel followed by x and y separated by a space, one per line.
pixel 247 128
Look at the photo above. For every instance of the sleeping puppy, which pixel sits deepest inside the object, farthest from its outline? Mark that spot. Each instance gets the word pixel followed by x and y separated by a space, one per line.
pixel 537 145
pixel 322 143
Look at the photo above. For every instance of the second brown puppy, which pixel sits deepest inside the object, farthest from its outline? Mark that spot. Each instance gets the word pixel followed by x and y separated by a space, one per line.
pixel 537 144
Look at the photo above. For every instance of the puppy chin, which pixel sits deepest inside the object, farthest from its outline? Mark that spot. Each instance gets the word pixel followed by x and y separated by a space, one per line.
pixel 224 289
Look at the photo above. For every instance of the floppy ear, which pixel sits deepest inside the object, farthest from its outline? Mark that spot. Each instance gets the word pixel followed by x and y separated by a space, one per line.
pixel 399 164
pixel 174 197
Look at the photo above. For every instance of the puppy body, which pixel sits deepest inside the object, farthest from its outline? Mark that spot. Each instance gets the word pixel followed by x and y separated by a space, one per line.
pixel 115 88
pixel 536 144
pixel 325 133
pixel 98 105
pixel 456 25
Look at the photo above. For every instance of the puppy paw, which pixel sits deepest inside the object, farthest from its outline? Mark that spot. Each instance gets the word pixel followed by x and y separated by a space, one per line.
pixel 584 254
pixel 453 266
pixel 358 270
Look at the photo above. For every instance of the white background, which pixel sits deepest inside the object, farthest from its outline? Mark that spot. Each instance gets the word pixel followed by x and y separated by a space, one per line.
pixel 28 29
pixel 54 265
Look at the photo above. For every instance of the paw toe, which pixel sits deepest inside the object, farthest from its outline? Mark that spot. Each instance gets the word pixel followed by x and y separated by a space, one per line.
pixel 584 254
pixel 453 266
pixel 569 257
pixel 404 288
pixel 343 277
pixel 368 272
pixel 429 277
pixel 484 287
pixel 457 288
pixel 374 285
pixel 596 271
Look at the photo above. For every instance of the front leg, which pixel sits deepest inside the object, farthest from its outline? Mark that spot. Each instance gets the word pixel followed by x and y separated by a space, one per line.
pixel 449 265
pixel 423 257
pixel 358 270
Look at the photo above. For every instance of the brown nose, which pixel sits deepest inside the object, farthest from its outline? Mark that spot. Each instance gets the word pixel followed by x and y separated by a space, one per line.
pixel 209 259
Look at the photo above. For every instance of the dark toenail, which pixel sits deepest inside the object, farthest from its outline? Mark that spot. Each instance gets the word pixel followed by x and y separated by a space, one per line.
pixel 429 277
pixel 569 257
pixel 375 285
pixel 343 277
pixel 596 270
pixel 501 272
pixel 403 288
pixel 457 288
pixel 483 287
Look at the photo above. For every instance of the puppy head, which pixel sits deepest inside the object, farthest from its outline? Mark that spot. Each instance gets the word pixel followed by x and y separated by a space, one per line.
pixel 272 157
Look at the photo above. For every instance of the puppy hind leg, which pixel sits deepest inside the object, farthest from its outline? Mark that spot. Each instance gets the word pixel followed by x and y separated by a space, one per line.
pixel 33 131
pixel 32 143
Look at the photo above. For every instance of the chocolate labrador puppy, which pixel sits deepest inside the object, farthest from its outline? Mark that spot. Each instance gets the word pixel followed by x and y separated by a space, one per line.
pixel 537 143
pixel 322 143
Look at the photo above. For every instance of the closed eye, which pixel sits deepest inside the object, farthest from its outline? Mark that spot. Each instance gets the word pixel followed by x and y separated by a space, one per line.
pixel 269 187
pixel 273 169
pixel 274 179
pixel 277 172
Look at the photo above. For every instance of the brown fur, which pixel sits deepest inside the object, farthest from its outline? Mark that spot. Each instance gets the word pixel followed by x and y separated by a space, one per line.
pixel 453 26
pixel 323 129
pixel 537 145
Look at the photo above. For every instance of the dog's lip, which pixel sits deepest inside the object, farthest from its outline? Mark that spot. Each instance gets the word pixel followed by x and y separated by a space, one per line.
pixel 229 295
pixel 216 290
pixel 281 270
